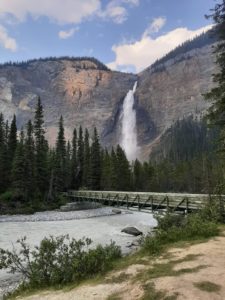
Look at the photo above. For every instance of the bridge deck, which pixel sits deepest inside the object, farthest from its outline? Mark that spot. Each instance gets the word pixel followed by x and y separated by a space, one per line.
pixel 144 200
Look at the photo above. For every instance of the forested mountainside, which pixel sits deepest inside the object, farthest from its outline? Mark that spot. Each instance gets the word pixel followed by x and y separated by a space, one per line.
pixel 84 89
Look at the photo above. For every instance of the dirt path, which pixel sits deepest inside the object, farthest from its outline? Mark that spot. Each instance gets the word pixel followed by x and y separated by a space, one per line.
pixel 194 272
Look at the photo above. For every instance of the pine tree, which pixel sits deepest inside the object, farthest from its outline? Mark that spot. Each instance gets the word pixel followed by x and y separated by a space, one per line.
pixel 80 158
pixel 123 170
pixel 41 150
pixel 12 139
pixel 95 162
pixel 114 171
pixel 106 175
pixel 18 170
pixel 60 163
pixel 74 169
pixel 29 159
pixel 137 176
pixel 4 162
pixel 87 166
pixel 68 168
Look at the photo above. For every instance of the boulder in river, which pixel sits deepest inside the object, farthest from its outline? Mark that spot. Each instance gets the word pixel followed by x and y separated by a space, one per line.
pixel 116 211
pixel 132 231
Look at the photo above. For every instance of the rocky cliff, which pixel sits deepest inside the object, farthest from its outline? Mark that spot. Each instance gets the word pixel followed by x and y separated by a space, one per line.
pixel 88 94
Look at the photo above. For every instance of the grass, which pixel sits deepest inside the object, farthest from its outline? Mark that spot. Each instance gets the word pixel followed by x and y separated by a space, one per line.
pixel 167 269
pixel 118 279
pixel 207 286
pixel 150 293
pixel 114 296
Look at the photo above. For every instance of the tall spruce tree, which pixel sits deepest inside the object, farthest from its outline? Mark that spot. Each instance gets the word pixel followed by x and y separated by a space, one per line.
pixel 29 159
pixel 74 168
pixel 19 170
pixel 123 170
pixel 95 162
pixel 12 139
pixel 114 179
pixel 41 150
pixel 60 163
pixel 68 168
pixel 106 183
pixel 87 162
pixel 3 156
pixel 80 157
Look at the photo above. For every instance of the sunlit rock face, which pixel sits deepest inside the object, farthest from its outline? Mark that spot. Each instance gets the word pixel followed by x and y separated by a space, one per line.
pixel 88 95
pixel 80 91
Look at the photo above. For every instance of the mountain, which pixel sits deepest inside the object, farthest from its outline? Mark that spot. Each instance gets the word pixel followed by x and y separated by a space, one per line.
pixel 87 93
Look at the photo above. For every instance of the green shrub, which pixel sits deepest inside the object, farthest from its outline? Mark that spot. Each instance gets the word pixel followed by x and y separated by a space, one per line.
pixel 169 220
pixel 6 197
pixel 58 260
pixel 174 229
pixel 213 210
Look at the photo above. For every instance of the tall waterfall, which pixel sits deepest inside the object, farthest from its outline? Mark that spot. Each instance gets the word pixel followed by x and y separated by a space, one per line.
pixel 129 131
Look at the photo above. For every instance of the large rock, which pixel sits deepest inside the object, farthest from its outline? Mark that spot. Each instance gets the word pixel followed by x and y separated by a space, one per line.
pixel 132 231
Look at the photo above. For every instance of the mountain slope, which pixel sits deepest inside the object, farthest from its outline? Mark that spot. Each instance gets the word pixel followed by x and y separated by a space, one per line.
pixel 86 93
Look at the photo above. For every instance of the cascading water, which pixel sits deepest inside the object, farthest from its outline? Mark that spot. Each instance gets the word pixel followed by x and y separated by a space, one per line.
pixel 129 131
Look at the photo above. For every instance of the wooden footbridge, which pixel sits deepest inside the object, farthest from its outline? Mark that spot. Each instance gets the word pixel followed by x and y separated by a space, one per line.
pixel 151 202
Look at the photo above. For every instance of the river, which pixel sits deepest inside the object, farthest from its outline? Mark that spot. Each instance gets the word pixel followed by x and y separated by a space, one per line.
pixel 101 229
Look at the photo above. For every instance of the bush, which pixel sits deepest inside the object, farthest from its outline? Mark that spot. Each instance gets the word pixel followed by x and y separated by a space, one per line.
pixel 58 260
pixel 6 197
pixel 213 210
pixel 176 228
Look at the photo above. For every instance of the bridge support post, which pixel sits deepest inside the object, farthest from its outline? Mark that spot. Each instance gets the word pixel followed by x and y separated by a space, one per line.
pixel 187 205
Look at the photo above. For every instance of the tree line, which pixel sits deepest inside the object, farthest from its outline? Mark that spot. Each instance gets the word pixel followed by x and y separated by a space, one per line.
pixel 35 174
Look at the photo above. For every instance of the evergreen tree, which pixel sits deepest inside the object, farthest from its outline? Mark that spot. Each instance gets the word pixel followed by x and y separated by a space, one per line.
pixel 80 158
pixel 87 166
pixel 137 176
pixel 74 169
pixel 4 162
pixel 68 168
pixel 123 170
pixel 60 163
pixel 106 175
pixel 95 162
pixel 114 171
pixel 29 160
pixel 18 170
pixel 41 150
pixel 12 139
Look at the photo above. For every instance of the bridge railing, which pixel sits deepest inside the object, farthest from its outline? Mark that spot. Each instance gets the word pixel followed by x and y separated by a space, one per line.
pixel 170 201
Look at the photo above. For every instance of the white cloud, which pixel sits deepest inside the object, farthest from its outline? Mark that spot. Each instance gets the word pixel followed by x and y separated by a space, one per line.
pixel 132 2
pixel 65 11
pixel 65 34
pixel 60 11
pixel 114 11
pixel 6 41
pixel 147 50
pixel 155 26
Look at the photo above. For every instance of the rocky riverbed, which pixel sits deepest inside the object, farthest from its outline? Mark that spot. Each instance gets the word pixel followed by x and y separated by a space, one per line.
pixel 59 215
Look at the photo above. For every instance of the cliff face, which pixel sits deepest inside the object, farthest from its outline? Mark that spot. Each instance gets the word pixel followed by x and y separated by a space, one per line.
pixel 88 95
pixel 84 94
pixel 175 89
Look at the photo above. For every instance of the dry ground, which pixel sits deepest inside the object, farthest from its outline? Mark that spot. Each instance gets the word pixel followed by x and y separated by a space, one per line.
pixel 191 272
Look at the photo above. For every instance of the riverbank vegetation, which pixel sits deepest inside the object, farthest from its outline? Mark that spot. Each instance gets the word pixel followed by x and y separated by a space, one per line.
pixel 59 261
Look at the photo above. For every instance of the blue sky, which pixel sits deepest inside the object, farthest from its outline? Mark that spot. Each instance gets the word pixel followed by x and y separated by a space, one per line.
pixel 127 35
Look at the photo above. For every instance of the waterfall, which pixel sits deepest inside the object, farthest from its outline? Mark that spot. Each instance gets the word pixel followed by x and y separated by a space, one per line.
pixel 129 132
